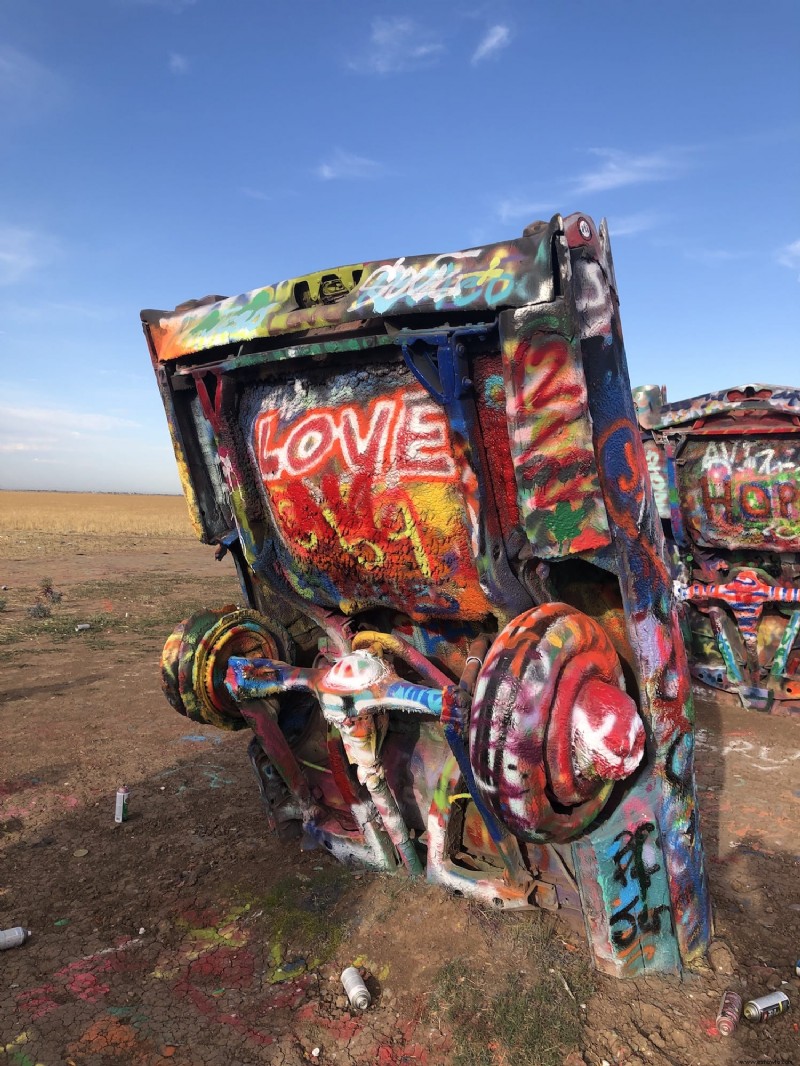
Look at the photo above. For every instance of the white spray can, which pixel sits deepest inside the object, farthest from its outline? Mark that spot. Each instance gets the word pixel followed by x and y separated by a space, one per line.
pixel 13 938
pixel 121 809
pixel 357 991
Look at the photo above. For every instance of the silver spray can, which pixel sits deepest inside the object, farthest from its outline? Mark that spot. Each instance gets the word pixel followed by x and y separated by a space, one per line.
pixel 357 991
pixel 759 1010
pixel 13 938
pixel 121 810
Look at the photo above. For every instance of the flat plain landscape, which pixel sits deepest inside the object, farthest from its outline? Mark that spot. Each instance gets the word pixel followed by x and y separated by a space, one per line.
pixel 190 935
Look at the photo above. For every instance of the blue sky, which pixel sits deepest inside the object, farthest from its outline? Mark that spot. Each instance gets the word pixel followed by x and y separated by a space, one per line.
pixel 152 151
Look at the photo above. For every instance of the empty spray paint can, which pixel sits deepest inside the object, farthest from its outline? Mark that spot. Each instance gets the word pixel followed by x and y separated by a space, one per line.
pixel 13 938
pixel 730 1011
pixel 121 810
pixel 759 1010
pixel 357 991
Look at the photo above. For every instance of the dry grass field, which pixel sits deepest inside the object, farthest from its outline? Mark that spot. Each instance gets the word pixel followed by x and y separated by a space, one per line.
pixel 64 518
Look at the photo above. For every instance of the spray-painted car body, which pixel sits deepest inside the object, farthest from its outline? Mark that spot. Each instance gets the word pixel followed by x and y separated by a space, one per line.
pixel 460 652
pixel 725 469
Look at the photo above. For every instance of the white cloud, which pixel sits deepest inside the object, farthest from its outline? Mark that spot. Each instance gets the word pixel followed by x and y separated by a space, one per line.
pixel 58 421
pixel 629 225
pixel 619 169
pixel 713 255
pixel 346 165
pixel 62 308
pixel 21 252
pixel 84 442
pixel 789 256
pixel 397 44
pixel 178 64
pixel 512 208
pixel 495 39
pixel 267 196
pixel 616 170
pixel 81 441
pixel 27 87
pixel 168 5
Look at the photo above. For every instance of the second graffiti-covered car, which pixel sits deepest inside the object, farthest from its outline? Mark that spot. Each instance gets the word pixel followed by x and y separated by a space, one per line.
pixel 725 469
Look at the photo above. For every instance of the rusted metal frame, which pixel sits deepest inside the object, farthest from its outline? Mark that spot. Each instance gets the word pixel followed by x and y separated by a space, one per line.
pixel 220 414
pixel 340 767
pixel 362 738
pixel 455 728
pixel 262 718
pixel 520 271
pixel 558 495
pixel 672 450
pixel 219 411
pixel 396 645
pixel 665 820
pixel 179 448
pixel 763 429
pixel 782 399
pixel 784 648
pixel 455 394
pixel 455 713
pixel 303 350
pixel 746 593
pixel 444 828
pixel 244 573
pixel 716 615
pixel 377 823
pixel 361 725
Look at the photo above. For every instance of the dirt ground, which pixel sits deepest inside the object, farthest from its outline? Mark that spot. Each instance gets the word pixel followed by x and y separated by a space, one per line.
pixel 190 935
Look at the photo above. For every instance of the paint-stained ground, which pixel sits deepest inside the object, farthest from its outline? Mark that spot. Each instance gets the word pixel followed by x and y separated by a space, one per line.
pixel 189 935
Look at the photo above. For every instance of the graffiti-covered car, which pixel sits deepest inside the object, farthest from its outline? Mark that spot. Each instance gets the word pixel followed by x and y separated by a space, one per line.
pixel 725 469
pixel 458 650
